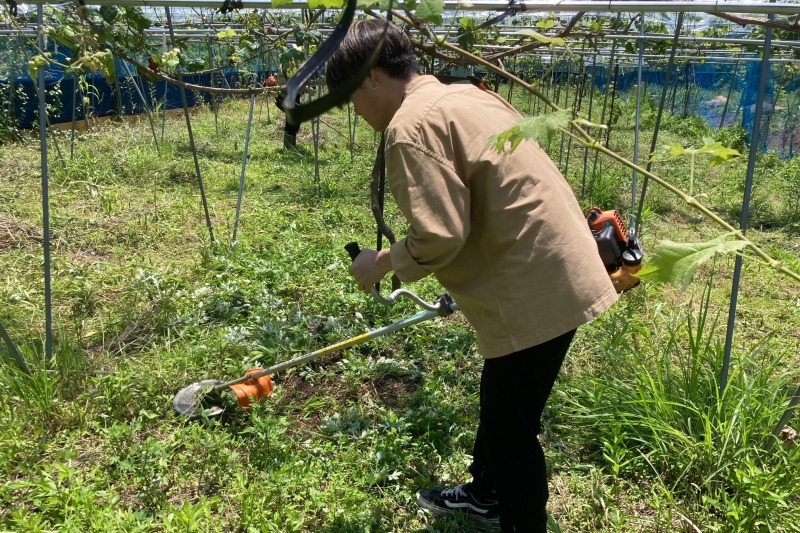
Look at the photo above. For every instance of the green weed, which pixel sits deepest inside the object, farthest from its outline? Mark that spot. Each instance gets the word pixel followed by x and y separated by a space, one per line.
pixel 664 420
pixel 144 304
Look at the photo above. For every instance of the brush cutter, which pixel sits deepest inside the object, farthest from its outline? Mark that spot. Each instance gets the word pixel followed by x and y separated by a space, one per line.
pixel 208 398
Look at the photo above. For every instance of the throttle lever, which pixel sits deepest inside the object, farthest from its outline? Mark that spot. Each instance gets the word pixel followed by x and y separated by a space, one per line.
pixel 353 249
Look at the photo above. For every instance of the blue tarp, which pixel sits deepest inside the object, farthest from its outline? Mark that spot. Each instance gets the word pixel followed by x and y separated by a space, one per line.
pixel 103 99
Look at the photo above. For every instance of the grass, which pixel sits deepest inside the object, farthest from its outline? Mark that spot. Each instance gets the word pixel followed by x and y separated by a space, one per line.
pixel 637 437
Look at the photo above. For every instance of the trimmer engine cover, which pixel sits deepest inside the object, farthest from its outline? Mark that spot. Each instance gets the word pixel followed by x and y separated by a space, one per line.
pixel 618 249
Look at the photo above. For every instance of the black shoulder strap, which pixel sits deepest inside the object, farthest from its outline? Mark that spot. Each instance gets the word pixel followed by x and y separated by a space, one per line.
pixel 378 192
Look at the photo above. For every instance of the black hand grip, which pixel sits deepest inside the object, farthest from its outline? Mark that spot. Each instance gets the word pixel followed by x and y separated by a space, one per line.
pixel 353 249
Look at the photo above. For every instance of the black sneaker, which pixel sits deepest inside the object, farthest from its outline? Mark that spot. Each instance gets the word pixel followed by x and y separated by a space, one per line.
pixel 459 500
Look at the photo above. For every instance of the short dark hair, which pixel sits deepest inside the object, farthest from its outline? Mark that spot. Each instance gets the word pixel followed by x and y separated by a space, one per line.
pixel 397 57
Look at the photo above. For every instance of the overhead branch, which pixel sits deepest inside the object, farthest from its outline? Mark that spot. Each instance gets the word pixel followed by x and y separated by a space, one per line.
pixel 146 73
pixel 747 21
pixel 427 48
pixel 564 32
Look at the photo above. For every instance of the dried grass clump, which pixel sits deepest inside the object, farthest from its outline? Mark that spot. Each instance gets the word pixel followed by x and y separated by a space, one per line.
pixel 15 234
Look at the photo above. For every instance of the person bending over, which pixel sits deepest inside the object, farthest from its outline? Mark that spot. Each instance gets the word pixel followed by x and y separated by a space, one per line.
pixel 504 234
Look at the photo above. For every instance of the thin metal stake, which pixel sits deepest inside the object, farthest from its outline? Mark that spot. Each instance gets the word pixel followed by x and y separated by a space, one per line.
pixel 632 223
pixel 748 188
pixel 591 90
pixel 74 122
pixel 144 104
pixel 659 114
pixel 566 105
pixel 730 92
pixel 191 137
pixel 244 166
pixel 48 300
pixel 244 154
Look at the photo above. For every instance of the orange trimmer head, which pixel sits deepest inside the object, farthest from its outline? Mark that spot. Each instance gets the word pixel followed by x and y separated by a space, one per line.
pixel 252 390
pixel 209 398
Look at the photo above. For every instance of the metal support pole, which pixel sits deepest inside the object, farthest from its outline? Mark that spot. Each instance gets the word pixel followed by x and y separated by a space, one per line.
pixel 48 301
pixel 576 104
pixel 315 134
pixel 144 104
pixel 566 105
pixel 244 153
pixel 591 89
pixel 605 104
pixel 351 129
pixel 605 6
pixel 730 92
pixel 214 101
pixel 748 188
pixel 632 223
pixel 74 121
pixel 191 138
pixel 244 167
pixel 659 114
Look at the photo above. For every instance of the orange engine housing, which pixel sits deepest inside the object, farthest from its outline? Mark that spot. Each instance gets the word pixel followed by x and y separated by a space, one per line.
pixel 599 219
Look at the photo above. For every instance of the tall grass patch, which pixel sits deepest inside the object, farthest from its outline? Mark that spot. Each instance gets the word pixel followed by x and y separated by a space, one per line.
pixel 661 419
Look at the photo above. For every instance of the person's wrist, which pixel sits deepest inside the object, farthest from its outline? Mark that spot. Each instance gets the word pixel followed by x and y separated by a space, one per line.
pixel 384 261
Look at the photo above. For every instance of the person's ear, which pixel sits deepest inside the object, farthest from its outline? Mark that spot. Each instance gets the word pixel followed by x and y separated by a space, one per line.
pixel 373 80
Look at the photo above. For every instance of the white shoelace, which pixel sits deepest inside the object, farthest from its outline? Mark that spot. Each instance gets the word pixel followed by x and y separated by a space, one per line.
pixel 456 491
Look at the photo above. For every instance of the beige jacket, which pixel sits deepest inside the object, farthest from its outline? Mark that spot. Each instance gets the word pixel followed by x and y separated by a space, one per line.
pixel 503 233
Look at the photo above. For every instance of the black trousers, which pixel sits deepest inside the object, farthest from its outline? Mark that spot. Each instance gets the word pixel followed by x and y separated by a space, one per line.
pixel 508 459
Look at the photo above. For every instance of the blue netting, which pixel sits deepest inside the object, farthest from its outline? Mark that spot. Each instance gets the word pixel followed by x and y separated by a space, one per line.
pixel 724 94
pixel 98 96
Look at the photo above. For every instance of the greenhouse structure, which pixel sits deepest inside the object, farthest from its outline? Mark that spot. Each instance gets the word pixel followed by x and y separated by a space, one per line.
pixel 183 347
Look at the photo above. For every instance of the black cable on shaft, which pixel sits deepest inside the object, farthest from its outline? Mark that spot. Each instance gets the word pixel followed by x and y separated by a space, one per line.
pixel 377 196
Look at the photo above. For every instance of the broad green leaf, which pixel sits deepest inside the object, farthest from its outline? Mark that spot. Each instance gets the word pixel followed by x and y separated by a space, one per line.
pixel 226 33
pixel 137 18
pixel 676 262
pixel 545 24
pixel 466 23
pixel 717 152
pixel 541 129
pixel 714 149
pixel 430 10
pixel 676 150
pixel 108 67
pixel 327 4
pixel 365 4
pixel 539 37
pixel 279 3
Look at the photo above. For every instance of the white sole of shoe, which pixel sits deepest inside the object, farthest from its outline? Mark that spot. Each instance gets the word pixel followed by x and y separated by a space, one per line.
pixel 438 511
